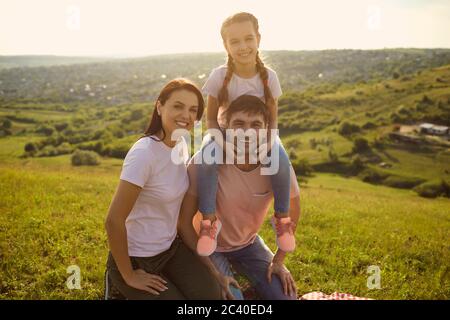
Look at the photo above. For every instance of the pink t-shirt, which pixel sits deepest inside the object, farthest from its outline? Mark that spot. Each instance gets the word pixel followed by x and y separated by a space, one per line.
pixel 243 199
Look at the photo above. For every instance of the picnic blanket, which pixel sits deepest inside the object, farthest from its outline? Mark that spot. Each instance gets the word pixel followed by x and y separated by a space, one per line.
pixel 317 295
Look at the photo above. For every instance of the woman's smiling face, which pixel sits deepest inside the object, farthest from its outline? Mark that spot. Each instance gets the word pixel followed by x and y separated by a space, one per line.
pixel 242 42
pixel 179 111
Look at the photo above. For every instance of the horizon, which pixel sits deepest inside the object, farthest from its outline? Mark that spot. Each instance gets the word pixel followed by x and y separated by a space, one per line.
pixel 79 28
pixel 215 52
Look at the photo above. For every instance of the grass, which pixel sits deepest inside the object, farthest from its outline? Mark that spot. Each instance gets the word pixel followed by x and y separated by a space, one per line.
pixel 52 214
pixel 51 217
pixel 347 225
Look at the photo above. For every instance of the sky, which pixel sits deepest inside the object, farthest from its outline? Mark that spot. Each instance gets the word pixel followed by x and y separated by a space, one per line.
pixel 147 27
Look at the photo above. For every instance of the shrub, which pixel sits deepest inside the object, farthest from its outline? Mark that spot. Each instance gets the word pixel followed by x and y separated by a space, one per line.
pixel 402 182
pixel 61 126
pixel 5 132
pixel 64 148
pixel 347 128
pixel 293 144
pixel 332 156
pixel 118 150
pixel 402 110
pixel 77 122
pixel 31 147
pixel 302 167
pixel 369 125
pixel 372 176
pixel 96 146
pixel 292 154
pixel 117 132
pixel 7 124
pixel 427 100
pixel 48 151
pixel 357 164
pixel 85 158
pixel 433 189
pixel 47 130
pixel 360 145
pixel 378 144
pixel 136 115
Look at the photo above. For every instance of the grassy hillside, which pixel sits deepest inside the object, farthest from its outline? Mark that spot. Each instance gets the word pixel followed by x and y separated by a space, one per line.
pixel 52 217
pixel 359 207
pixel 374 109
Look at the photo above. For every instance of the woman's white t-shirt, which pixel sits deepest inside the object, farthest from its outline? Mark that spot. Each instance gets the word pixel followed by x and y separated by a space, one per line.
pixel 152 223
pixel 239 86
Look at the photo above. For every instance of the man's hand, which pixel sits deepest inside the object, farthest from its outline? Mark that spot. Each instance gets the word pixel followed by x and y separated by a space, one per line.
pixel 287 281
pixel 225 282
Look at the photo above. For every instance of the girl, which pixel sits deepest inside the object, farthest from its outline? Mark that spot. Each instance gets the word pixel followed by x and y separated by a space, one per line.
pixel 147 260
pixel 244 73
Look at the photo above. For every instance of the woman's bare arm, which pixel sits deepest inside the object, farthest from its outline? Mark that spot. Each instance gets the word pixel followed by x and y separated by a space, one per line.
pixel 121 205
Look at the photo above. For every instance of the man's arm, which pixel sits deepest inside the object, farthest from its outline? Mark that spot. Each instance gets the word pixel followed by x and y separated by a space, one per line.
pixel 277 266
pixel 294 213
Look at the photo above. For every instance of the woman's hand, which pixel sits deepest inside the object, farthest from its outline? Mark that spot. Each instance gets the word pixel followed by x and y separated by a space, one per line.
pixel 225 282
pixel 152 283
pixel 286 278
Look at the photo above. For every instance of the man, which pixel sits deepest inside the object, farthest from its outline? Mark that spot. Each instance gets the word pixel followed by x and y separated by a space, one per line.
pixel 243 200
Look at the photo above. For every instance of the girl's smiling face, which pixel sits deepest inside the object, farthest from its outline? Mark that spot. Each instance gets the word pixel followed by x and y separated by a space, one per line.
pixel 179 111
pixel 242 42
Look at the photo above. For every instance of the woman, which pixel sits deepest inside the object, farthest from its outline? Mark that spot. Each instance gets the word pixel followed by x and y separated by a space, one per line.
pixel 147 259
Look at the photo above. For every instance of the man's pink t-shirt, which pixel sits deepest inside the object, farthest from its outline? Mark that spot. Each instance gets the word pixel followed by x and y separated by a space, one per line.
pixel 243 199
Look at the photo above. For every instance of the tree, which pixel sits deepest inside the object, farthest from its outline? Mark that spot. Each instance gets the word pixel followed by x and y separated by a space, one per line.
pixel 7 124
pixel 357 163
pixel 360 145
pixel 347 128
pixel 332 156
pixel 47 130
pixel 31 147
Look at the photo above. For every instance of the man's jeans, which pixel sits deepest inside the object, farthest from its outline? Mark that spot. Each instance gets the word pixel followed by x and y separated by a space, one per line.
pixel 251 262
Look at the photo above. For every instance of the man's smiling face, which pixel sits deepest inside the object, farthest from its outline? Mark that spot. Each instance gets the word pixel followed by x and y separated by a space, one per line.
pixel 251 125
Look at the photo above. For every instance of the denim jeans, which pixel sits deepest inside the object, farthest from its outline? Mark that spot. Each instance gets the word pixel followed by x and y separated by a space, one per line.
pixel 207 179
pixel 252 262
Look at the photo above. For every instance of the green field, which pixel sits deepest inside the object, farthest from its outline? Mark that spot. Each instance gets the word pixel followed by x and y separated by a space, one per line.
pixel 52 214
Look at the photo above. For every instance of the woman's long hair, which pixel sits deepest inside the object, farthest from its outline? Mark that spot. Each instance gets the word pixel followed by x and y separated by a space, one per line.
pixel 174 85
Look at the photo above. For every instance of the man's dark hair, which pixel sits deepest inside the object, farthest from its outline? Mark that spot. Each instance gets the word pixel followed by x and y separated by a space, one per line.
pixel 249 104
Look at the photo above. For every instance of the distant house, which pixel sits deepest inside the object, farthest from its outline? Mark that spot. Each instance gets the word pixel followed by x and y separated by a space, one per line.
pixel 430 128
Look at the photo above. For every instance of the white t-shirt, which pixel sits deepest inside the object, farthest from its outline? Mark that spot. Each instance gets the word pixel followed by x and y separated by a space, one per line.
pixel 152 223
pixel 239 86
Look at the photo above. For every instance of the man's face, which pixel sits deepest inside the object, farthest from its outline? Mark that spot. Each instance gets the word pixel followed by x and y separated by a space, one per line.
pixel 251 125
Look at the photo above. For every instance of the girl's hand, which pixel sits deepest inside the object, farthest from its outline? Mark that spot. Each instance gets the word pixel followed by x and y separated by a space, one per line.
pixel 225 282
pixel 286 278
pixel 152 283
